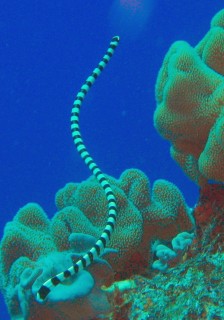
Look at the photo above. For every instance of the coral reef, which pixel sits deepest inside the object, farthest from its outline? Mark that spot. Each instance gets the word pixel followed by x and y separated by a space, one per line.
pixel 155 229
pixel 160 213
pixel 34 248
pixel 29 256
pixel 168 256
pixel 190 104
pixel 192 290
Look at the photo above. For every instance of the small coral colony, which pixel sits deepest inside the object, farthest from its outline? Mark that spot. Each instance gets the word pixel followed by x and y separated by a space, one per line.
pixel 121 248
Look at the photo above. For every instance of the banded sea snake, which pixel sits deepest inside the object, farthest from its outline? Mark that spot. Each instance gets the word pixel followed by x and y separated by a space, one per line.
pixel 98 249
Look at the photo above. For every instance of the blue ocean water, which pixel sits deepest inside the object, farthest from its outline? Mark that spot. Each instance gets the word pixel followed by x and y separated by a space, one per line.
pixel 48 48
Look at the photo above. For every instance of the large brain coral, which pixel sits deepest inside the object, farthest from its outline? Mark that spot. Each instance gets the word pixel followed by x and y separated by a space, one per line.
pixel 190 104
pixel 35 248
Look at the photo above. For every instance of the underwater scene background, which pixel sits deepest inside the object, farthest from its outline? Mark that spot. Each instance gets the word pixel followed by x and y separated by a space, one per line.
pixel 48 48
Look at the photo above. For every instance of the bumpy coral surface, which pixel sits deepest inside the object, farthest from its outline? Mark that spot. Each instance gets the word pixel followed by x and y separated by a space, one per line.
pixel 190 104
pixel 29 257
pixel 34 248
pixel 144 215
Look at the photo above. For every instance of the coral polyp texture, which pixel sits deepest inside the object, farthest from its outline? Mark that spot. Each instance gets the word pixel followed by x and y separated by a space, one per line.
pixel 151 214
pixel 190 104
pixel 35 248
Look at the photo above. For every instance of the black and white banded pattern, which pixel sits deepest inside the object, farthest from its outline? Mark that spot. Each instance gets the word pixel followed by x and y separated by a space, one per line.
pixel 102 242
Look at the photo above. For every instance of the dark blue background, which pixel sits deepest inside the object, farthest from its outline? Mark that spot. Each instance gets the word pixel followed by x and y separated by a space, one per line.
pixel 48 48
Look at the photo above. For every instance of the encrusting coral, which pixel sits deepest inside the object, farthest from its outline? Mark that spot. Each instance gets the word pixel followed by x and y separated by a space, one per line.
pixel 190 104
pixel 192 290
pixel 35 247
